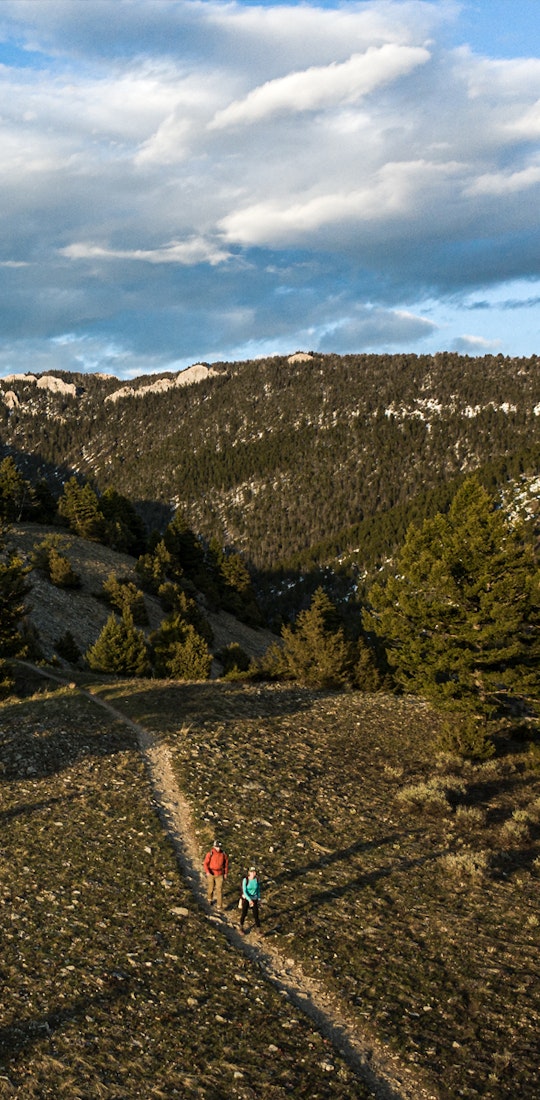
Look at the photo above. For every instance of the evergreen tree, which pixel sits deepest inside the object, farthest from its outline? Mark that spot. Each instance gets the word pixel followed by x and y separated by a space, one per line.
pixel 125 596
pixel 79 505
pixel 184 546
pixel 120 648
pixel 314 651
pixel 61 572
pixel 155 567
pixel 179 652
pixel 191 658
pixel 460 616
pixel 13 589
pixel 44 506
pixel 15 492
pixel 124 528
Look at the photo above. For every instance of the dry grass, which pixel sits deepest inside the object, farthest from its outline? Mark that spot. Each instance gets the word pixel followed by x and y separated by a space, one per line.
pixel 114 985
pixel 424 924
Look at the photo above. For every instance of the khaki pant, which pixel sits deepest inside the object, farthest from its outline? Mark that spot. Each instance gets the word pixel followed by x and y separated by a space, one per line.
pixel 215 886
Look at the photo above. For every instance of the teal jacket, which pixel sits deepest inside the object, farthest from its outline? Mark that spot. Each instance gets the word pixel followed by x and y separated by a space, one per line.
pixel 251 889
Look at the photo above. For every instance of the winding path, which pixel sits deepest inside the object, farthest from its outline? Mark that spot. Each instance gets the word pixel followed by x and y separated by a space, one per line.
pixel 382 1072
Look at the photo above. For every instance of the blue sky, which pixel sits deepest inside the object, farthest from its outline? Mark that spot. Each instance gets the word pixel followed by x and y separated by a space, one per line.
pixel 187 180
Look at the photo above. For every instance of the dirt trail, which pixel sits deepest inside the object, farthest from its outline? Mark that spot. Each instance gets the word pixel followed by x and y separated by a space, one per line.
pixel 376 1065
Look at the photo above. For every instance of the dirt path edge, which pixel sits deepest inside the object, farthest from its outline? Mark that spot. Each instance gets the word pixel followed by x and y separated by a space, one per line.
pixel 380 1069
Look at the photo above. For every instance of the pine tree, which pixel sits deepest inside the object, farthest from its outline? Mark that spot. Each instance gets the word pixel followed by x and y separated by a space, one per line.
pixel 124 529
pixel 15 492
pixel 314 651
pixel 460 617
pixel 125 596
pixel 13 589
pixel 179 652
pixel 79 505
pixel 120 648
pixel 191 658
pixel 61 573
pixel 155 567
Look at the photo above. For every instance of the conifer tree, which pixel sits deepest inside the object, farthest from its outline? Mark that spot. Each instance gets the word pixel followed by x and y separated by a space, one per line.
pixel 120 648
pixel 15 491
pixel 79 505
pixel 314 651
pixel 460 616
pixel 13 589
pixel 154 567
pixel 179 651
pixel 125 596
pixel 190 659
pixel 124 528
pixel 184 546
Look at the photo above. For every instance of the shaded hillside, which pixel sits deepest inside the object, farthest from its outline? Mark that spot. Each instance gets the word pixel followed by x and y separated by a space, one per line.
pixel 83 611
pixel 277 455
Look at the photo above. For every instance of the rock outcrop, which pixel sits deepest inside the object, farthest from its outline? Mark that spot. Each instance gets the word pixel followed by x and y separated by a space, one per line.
pixel 197 373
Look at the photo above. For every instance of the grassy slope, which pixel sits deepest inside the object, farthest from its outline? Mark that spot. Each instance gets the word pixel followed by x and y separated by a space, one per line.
pixel 390 904
pixel 107 992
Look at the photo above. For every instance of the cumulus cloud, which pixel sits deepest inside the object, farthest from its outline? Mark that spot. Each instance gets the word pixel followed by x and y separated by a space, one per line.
pixel 323 86
pixel 180 179
pixel 475 345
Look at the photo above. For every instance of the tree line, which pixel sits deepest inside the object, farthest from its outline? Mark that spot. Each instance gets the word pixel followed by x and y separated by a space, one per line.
pixel 454 619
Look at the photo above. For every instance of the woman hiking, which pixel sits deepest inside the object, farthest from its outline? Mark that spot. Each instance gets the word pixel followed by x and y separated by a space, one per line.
pixel 251 896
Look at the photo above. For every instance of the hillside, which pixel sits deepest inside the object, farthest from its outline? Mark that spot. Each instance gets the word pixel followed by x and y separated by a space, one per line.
pixel 276 456
pixel 404 887
pixel 83 611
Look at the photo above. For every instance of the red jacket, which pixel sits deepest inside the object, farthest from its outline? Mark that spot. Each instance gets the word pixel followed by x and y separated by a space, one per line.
pixel 216 862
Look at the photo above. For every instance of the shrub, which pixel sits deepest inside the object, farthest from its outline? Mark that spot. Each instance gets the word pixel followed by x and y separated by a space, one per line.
pixel 48 557
pixel 61 573
pixel 428 796
pixel 234 659
pixel 515 831
pixel 470 816
pixel 465 864
pixel 7 683
pixel 468 736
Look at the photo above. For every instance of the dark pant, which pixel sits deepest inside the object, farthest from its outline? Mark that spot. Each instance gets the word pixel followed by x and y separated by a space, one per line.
pixel 254 909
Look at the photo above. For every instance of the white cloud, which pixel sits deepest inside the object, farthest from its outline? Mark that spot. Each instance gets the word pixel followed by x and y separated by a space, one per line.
pixel 397 190
pixel 505 183
pixel 477 345
pixel 323 86
pixel 252 173
pixel 194 251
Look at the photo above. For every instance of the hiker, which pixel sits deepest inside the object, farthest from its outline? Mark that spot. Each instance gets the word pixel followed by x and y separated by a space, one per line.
pixel 216 866
pixel 251 896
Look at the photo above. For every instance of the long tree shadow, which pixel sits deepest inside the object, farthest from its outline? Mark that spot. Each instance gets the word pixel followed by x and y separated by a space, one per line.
pixel 38 739
pixel 163 706
pixel 361 881
pixel 338 856
pixel 16 1038
pixel 25 809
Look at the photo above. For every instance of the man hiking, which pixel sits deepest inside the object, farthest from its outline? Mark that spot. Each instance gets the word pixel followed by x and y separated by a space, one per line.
pixel 216 867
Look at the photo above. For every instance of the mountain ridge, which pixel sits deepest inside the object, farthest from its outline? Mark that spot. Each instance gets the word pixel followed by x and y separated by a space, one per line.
pixel 275 456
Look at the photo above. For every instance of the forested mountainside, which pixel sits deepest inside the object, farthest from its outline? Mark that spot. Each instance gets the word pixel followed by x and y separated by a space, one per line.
pixel 276 456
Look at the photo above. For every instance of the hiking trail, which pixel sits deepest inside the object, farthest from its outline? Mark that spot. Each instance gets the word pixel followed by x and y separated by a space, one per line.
pixel 380 1069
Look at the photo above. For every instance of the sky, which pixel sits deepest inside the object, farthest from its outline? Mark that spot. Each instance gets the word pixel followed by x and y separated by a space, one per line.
pixel 200 180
